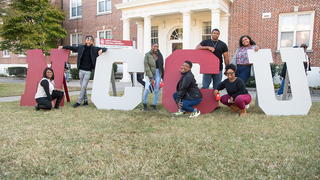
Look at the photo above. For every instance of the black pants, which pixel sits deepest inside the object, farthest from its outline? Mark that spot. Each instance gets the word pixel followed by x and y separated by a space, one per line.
pixel 44 103
pixel 139 79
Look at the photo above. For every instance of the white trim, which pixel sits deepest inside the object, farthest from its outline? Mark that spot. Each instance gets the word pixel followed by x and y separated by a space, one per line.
pixel 104 12
pixel 70 11
pixel 104 30
pixel 312 13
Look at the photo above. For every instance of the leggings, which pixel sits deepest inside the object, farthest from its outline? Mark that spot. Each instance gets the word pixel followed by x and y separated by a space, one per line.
pixel 241 100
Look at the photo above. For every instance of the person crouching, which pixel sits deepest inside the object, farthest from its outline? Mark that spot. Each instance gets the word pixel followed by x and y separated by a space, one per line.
pixel 46 92
pixel 238 96
pixel 188 94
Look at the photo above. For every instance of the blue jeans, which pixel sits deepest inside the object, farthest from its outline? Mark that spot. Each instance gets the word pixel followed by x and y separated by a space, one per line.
pixel 206 80
pixel 187 105
pixel 280 90
pixel 243 72
pixel 156 89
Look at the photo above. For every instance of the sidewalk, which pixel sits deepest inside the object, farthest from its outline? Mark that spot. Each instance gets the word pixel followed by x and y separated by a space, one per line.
pixel 119 86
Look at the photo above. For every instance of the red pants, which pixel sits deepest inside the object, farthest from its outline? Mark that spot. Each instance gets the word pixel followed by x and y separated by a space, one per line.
pixel 241 100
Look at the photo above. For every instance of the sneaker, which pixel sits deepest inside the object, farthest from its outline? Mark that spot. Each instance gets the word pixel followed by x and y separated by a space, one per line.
pixel 195 114
pixel 85 103
pixel 76 105
pixel 179 112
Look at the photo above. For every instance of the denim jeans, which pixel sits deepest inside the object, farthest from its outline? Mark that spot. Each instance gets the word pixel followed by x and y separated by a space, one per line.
pixel 243 72
pixel 156 89
pixel 187 105
pixel 84 80
pixel 280 90
pixel 206 80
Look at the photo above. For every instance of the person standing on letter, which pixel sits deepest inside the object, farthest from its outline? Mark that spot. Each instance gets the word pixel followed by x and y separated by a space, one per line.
pixel 219 49
pixel 86 62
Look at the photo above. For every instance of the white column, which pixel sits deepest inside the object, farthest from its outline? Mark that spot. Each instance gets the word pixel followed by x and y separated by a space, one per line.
pixel 186 29
pixel 126 36
pixel 215 18
pixel 147 34
pixel 140 36
pixel 126 29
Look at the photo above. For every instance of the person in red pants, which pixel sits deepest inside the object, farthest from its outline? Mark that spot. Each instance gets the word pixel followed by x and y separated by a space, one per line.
pixel 238 96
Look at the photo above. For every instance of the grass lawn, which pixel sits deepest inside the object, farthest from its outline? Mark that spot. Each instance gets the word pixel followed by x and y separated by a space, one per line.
pixel 85 143
pixel 17 89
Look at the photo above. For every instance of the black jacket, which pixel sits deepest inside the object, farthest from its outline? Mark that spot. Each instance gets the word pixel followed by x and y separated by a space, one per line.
pixel 187 88
pixel 79 49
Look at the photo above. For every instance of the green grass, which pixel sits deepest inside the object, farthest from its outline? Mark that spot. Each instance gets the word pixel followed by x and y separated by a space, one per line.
pixel 17 89
pixel 85 143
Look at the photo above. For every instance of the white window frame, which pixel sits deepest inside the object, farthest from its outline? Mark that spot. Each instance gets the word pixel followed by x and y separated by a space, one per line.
pixel 98 32
pixel 105 11
pixel 78 16
pixel 202 33
pixel 77 36
pixel 5 54
pixel 154 38
pixel 295 29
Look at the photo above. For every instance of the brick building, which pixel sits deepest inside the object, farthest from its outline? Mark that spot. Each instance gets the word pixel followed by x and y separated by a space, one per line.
pixel 184 23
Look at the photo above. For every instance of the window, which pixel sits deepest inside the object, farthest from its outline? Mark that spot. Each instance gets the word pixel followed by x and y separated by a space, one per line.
pixel 295 29
pixel 177 34
pixel 206 30
pixel 75 39
pixel 105 34
pixel 75 8
pixel 154 35
pixel 104 6
pixel 5 54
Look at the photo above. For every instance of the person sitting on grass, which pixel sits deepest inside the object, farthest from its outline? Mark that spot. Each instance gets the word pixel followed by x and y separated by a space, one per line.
pixel 238 96
pixel 188 94
pixel 46 92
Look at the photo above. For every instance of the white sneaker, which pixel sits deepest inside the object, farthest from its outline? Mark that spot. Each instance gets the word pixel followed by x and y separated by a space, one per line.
pixel 195 114
pixel 178 113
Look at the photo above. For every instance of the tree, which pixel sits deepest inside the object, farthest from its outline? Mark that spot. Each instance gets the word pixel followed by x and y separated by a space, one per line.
pixel 2 7
pixel 31 24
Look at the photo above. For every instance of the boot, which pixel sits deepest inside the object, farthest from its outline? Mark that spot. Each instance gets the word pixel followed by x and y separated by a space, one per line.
pixel 154 107
pixel 37 107
pixel 56 106
pixel 145 107
pixel 234 108
pixel 243 112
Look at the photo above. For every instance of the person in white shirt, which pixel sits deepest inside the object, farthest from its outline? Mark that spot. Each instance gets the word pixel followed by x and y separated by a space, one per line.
pixel 46 92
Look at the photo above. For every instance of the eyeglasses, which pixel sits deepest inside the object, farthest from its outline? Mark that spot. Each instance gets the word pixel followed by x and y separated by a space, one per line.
pixel 89 38
pixel 229 73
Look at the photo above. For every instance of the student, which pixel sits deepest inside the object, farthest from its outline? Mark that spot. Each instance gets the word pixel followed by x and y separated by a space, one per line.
pixel 219 49
pixel 238 96
pixel 188 94
pixel 241 57
pixel 46 92
pixel 153 65
pixel 86 62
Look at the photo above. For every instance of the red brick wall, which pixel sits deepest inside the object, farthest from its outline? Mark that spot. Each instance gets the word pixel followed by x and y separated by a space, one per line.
pixel 246 18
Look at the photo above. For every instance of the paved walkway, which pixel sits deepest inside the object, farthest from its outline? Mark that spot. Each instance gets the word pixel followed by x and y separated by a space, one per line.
pixel 119 86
